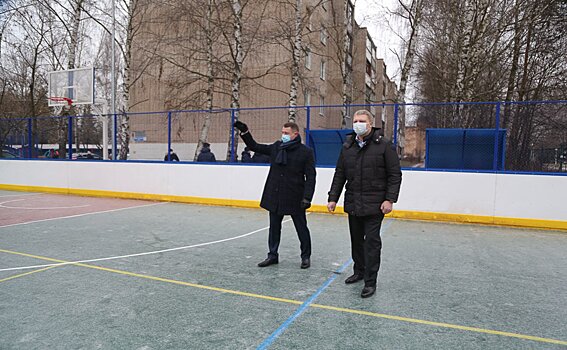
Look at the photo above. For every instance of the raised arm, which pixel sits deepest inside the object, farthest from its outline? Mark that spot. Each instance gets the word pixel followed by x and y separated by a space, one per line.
pixel 249 140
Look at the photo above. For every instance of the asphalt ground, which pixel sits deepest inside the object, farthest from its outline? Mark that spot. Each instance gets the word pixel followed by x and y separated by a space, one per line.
pixel 99 273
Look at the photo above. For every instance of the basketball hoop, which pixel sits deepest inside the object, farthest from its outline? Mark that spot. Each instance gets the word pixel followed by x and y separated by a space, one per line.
pixel 60 103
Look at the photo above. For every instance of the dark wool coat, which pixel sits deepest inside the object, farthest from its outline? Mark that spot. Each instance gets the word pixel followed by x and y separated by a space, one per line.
pixel 286 185
pixel 372 175
pixel 206 155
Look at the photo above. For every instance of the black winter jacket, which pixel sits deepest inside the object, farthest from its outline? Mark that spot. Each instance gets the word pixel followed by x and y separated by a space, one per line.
pixel 206 155
pixel 286 185
pixel 372 175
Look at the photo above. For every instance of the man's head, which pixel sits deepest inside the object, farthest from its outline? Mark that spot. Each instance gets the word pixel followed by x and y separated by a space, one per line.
pixel 290 129
pixel 362 122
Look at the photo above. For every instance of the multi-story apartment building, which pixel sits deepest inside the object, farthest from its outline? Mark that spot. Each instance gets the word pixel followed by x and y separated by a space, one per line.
pixel 338 65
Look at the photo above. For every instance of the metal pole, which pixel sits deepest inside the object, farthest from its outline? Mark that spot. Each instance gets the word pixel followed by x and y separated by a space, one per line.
pixel 168 135
pixel 70 137
pixel 396 106
pixel 30 143
pixel 232 120
pixel 496 137
pixel 308 126
pixel 105 132
pixel 113 78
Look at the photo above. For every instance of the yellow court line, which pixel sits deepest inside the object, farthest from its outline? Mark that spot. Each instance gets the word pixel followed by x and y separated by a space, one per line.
pixel 441 324
pixel 296 302
pixel 25 274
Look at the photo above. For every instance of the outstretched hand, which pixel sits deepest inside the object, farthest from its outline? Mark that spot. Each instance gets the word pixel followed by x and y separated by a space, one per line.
pixel 241 126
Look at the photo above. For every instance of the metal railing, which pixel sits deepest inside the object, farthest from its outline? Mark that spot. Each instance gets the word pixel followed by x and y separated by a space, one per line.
pixel 516 136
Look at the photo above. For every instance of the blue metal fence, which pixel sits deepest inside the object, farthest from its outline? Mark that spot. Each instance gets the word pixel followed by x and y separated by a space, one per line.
pixel 526 136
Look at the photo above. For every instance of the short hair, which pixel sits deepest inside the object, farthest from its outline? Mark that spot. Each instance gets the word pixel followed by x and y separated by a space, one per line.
pixel 206 144
pixel 366 113
pixel 291 125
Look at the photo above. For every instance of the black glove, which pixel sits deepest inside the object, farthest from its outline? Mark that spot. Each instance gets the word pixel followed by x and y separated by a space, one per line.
pixel 241 126
pixel 305 204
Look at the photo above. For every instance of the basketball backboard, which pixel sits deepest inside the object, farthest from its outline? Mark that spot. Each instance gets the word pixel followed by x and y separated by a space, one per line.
pixel 75 84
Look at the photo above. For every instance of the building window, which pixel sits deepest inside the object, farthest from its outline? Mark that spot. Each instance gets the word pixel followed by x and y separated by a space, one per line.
pixel 323 72
pixel 321 105
pixel 307 58
pixel 324 35
pixel 306 98
pixel 350 11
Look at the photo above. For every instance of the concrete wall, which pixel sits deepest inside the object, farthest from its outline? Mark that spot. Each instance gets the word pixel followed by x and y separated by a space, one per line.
pixel 509 199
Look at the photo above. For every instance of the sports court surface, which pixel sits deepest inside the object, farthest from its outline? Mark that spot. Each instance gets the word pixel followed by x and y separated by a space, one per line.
pixel 99 273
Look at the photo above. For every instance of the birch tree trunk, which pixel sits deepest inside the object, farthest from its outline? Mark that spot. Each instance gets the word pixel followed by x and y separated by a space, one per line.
pixel 346 72
pixel 238 59
pixel 414 16
pixel 297 49
pixel 210 79
pixel 124 128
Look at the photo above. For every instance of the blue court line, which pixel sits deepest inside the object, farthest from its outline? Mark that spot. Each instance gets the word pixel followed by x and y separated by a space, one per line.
pixel 308 302
pixel 301 309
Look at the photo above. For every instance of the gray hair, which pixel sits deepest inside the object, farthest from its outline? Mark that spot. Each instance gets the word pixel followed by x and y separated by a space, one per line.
pixel 367 113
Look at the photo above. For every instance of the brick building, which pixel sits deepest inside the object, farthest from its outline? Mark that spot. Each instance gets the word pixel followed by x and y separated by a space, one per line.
pixel 338 65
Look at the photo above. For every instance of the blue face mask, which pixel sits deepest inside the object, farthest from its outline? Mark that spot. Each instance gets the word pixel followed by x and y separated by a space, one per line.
pixel 286 138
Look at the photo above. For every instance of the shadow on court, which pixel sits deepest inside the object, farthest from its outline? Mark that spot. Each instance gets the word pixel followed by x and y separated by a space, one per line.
pixel 90 273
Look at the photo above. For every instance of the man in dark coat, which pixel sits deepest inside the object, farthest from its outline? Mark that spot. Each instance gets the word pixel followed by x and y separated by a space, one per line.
pixel 206 155
pixel 246 157
pixel 171 156
pixel 371 170
pixel 289 187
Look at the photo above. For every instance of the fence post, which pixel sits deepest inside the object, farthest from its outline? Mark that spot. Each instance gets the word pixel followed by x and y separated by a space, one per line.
pixel 168 135
pixel 114 138
pixel 396 124
pixel 308 126
pixel 30 143
pixel 70 137
pixel 232 120
pixel 496 137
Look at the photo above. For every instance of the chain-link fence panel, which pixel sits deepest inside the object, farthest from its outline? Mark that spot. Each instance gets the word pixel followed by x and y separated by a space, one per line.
pixel 148 134
pixel 536 136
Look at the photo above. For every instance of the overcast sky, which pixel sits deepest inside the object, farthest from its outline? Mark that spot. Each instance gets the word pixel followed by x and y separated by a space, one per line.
pixel 373 15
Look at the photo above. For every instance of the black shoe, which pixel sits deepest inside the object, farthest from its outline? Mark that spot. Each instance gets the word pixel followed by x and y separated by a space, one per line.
pixel 305 263
pixel 268 262
pixel 368 291
pixel 354 278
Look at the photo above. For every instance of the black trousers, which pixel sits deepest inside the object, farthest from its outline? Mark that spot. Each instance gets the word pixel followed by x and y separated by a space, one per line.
pixel 300 223
pixel 366 245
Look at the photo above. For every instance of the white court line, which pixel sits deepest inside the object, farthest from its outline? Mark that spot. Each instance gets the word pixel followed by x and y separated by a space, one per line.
pixel 79 215
pixel 141 254
pixel 22 195
pixel 44 208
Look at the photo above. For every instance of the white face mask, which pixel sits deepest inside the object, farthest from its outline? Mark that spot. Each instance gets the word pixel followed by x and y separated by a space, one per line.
pixel 359 128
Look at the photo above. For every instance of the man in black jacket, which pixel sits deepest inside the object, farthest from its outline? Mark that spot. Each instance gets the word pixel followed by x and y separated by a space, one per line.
pixel 206 155
pixel 289 187
pixel 371 170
